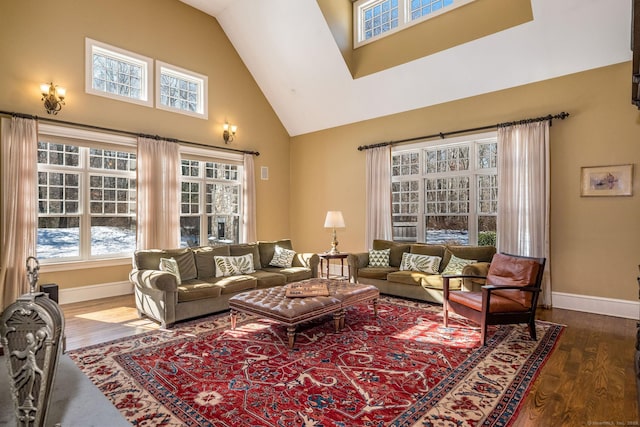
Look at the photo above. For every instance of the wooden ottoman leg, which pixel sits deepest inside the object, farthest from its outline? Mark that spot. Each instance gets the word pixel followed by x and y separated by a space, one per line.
pixel 375 307
pixel 291 333
pixel 337 320
pixel 233 315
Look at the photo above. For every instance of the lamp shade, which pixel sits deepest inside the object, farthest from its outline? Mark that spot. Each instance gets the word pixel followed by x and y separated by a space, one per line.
pixel 334 219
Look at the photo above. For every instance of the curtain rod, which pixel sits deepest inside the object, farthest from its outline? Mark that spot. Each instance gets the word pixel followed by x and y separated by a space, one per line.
pixel 125 132
pixel 443 135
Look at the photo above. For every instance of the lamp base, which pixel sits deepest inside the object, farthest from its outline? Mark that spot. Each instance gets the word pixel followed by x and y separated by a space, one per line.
pixel 334 244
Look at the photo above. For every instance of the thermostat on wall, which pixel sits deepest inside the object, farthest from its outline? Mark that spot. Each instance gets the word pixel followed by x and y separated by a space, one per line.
pixel 264 173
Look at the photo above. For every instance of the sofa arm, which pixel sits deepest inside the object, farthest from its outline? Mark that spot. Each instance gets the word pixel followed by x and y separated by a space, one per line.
pixel 308 260
pixel 154 279
pixel 356 261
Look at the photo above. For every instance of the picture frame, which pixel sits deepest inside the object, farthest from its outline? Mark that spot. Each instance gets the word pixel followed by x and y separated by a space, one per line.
pixel 612 180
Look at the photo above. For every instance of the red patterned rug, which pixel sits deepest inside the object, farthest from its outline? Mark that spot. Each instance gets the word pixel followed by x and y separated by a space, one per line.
pixel 402 368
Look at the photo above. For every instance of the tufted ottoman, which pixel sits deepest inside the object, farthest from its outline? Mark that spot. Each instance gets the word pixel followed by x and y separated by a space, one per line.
pixel 273 304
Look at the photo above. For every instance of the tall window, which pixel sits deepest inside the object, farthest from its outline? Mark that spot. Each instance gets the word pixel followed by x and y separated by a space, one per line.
pixel 181 90
pixel 86 199
pixel 373 19
pixel 446 193
pixel 116 73
pixel 211 204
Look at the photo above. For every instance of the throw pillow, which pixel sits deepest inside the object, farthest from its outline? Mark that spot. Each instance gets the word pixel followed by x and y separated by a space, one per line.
pixel 233 265
pixel 282 257
pixel 424 263
pixel 170 265
pixel 379 258
pixel 456 265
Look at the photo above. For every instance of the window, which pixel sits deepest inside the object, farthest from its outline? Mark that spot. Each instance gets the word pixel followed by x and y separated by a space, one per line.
pixel 117 73
pixel 446 193
pixel 211 207
pixel 377 18
pixel 181 90
pixel 86 196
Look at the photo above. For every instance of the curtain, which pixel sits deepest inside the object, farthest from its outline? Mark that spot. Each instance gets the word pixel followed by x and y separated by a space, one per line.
pixel 19 205
pixel 158 194
pixel 523 203
pixel 249 202
pixel 378 215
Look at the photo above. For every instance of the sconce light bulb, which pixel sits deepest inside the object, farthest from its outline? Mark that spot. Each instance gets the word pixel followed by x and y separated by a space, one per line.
pixel 61 92
pixel 225 126
pixel 233 129
pixel 44 88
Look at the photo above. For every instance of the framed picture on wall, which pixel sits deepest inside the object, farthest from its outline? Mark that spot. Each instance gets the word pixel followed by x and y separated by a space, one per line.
pixel 615 180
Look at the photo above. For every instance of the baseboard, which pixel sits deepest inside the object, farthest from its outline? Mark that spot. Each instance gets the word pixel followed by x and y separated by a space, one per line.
pixel 597 305
pixel 86 293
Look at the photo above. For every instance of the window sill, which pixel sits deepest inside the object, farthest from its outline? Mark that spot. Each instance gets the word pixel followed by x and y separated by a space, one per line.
pixel 82 265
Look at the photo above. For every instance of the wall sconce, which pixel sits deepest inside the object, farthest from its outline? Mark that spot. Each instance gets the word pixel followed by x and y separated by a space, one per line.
pixel 53 97
pixel 227 134
pixel 334 219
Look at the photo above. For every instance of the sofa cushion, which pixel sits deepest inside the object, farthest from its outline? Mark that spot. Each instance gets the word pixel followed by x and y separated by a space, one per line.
pixel 396 250
pixel 424 263
pixel 232 284
pixel 234 265
pixel 428 249
pixel 268 279
pixel 204 259
pixel 266 249
pixel 417 278
pixel 243 249
pixel 198 289
pixel 379 258
pixel 376 272
pixel 456 265
pixel 170 266
pixel 291 274
pixel 282 257
pixel 479 253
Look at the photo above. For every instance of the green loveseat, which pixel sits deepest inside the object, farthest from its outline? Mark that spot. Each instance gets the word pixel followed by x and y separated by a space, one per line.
pixel 200 292
pixel 419 285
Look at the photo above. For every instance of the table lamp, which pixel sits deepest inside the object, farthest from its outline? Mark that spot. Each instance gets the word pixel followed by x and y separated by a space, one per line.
pixel 334 220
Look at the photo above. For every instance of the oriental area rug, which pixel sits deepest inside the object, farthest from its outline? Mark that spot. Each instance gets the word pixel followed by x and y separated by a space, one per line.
pixel 401 368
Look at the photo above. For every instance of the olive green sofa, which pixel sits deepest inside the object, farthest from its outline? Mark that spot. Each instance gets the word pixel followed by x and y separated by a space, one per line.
pixel 159 296
pixel 419 285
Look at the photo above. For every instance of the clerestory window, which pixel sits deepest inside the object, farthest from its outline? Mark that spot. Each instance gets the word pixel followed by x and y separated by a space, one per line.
pixel 446 193
pixel 181 90
pixel 373 19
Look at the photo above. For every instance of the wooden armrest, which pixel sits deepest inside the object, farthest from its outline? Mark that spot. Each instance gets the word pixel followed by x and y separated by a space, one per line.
pixel 515 288
pixel 446 277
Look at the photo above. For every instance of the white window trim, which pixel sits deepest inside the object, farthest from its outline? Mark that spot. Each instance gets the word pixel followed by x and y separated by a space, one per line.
pixel 182 73
pixel 449 142
pixel 92 46
pixel 404 19
pixel 86 138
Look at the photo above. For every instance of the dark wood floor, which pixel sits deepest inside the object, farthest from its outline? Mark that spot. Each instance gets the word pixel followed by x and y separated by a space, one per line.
pixel 588 381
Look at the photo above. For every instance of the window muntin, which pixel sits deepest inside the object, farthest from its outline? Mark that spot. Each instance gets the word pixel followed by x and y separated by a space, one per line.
pixel 86 201
pixel 373 19
pixel 181 90
pixel 116 73
pixel 210 208
pixel 452 198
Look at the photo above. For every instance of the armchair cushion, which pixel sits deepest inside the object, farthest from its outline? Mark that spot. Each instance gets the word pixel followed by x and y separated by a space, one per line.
pixel 508 271
pixel 498 304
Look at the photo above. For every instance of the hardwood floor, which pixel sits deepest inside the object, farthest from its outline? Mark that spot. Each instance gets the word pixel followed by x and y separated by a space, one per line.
pixel 588 381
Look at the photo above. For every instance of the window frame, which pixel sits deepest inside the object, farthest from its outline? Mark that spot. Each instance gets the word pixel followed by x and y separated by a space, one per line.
pixel 202 110
pixel 473 173
pixel 204 156
pixel 146 63
pixel 404 19
pixel 87 140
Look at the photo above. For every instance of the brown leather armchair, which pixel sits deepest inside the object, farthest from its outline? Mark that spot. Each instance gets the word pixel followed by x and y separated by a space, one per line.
pixel 509 296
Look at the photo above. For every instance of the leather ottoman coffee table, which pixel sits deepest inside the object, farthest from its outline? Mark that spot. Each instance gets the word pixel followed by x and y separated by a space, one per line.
pixel 273 304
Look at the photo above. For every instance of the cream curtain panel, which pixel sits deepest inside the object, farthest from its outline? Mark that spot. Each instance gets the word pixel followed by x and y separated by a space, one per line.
pixel 158 209
pixel 523 204
pixel 378 215
pixel 19 205
pixel 249 209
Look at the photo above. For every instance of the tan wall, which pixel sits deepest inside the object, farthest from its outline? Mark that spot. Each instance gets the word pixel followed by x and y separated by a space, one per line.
pixel 44 41
pixel 594 241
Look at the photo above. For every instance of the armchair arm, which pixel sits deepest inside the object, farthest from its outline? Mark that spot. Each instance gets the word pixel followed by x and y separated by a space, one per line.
pixel 309 260
pixel 154 279
pixel 356 261
pixel 447 277
pixel 490 288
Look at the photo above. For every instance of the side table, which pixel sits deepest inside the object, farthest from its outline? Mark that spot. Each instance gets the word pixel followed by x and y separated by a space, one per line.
pixel 328 257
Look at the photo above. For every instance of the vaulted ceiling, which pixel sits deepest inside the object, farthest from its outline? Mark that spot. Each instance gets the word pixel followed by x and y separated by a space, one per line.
pixel 291 52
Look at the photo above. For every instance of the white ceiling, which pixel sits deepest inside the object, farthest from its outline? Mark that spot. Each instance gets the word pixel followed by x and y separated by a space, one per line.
pixel 288 48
